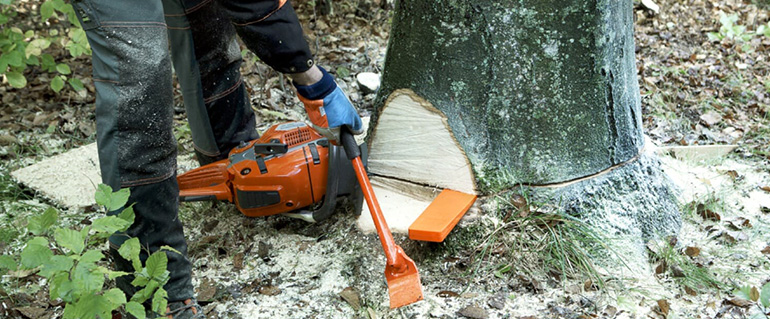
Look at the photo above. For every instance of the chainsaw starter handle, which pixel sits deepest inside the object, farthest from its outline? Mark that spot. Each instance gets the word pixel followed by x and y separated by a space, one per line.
pixel 386 237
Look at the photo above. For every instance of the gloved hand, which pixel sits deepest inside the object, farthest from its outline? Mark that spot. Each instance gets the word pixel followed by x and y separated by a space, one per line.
pixel 328 108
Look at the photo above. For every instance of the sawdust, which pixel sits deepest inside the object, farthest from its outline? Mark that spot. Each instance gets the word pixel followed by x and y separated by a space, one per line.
pixel 311 275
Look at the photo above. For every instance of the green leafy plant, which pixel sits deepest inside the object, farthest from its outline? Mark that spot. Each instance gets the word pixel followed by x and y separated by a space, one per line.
pixel 71 262
pixel 730 29
pixel 21 49
pixel 760 298
pixel 764 30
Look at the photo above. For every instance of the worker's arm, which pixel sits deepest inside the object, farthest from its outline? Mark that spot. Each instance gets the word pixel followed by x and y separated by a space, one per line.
pixel 327 106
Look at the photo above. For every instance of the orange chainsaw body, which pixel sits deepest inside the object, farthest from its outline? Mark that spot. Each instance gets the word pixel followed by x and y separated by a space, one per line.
pixel 286 169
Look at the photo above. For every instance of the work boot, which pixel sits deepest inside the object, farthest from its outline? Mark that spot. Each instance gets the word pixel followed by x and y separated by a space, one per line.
pixel 187 309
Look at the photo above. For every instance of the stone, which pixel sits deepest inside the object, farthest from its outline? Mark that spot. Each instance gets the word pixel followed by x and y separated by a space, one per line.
pixel 368 82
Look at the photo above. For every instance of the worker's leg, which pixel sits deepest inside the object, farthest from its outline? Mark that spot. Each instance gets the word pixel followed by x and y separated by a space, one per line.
pixel 137 150
pixel 207 60
pixel 271 30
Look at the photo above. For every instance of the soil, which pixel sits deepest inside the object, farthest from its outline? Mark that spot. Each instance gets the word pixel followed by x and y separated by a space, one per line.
pixel 696 91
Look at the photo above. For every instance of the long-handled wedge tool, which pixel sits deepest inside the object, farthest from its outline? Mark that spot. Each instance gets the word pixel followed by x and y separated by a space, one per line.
pixel 404 285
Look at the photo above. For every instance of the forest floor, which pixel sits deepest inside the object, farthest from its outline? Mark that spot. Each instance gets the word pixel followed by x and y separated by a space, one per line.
pixel 705 80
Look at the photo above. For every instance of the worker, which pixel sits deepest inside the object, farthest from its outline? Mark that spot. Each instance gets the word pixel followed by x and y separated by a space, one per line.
pixel 132 70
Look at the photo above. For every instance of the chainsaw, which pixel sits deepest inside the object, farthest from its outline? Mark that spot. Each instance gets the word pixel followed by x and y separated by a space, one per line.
pixel 290 169
pixel 295 171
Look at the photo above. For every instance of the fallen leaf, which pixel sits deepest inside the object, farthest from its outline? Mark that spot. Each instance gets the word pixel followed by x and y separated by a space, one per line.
pixel 765 188
pixel 209 226
pixel 740 223
pixel 31 312
pixel 740 302
pixel 710 118
pixel 351 296
pixel 692 251
pixel 372 314
pixel 734 236
pixel 208 240
pixel 707 214
pixel 677 272
pixel 238 261
pixel 610 311
pixel 588 285
pixel 21 273
pixel 6 139
pixel 263 250
pixel 754 294
pixel 269 290
pixel 690 291
pixel 672 240
pixel 206 290
pixel 39 119
pixel 664 306
pixel 733 174
pixel 447 294
pixel 497 302
pixel 473 311
pixel 766 251
pixel 661 268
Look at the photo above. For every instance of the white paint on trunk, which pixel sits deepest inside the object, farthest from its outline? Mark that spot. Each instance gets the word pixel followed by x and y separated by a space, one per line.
pixel 413 142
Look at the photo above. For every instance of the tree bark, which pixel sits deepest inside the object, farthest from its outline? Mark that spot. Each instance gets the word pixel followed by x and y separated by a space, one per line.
pixel 535 93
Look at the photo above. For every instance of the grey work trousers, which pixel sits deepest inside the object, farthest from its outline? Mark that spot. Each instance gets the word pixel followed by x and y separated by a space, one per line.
pixel 134 114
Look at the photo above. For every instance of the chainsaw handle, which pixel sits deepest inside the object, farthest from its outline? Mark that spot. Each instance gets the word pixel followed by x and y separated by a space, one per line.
pixel 349 143
pixel 392 255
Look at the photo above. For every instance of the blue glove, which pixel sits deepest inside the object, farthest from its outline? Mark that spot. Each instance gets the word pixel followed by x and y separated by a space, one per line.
pixel 328 108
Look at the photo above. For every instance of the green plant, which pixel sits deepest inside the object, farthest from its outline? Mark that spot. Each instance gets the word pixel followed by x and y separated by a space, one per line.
pixel 21 49
pixel 730 29
pixel 709 206
pixel 541 239
pixel 760 298
pixel 764 30
pixel 684 271
pixel 73 268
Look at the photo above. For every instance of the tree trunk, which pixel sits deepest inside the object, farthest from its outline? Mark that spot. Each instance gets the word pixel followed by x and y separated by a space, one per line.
pixel 487 96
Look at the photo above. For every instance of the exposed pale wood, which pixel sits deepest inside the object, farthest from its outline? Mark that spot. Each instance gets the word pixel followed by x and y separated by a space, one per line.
pixel 68 179
pixel 401 204
pixel 697 152
pixel 413 142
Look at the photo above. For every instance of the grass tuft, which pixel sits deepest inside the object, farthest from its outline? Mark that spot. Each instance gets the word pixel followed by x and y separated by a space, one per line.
pixel 538 239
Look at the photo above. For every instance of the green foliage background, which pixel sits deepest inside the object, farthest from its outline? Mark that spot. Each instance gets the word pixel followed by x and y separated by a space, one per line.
pixel 27 48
